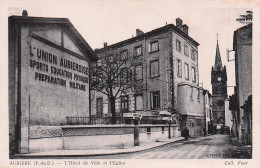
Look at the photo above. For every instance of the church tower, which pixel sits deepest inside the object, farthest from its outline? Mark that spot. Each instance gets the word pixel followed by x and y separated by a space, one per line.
pixel 219 89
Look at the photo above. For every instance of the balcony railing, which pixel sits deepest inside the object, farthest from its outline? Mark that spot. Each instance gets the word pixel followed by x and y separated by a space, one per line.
pixel 78 120
pixel 83 120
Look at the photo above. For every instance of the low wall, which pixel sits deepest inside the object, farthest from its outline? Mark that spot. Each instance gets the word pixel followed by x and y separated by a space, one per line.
pixel 46 138
pixel 45 144
pixel 98 136
pixel 99 142
pixel 152 133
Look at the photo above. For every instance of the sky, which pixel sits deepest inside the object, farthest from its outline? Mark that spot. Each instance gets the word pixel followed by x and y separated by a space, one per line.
pixel 113 21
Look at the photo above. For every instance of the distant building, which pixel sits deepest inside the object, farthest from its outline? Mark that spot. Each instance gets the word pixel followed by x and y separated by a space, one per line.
pixel 242 45
pixel 169 72
pixel 233 109
pixel 219 89
pixel 191 108
pixel 48 79
pixel 228 115
pixel 208 110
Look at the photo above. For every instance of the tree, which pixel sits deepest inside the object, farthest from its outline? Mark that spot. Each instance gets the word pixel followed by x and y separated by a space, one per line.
pixel 246 19
pixel 113 75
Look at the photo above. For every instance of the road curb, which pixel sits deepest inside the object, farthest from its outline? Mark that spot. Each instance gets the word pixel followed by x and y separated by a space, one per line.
pixel 24 156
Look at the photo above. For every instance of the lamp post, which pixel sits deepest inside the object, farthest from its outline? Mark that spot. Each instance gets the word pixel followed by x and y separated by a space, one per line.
pixel 136 132
pixel 169 130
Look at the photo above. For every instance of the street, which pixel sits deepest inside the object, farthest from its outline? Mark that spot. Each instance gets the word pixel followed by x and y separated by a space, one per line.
pixel 210 147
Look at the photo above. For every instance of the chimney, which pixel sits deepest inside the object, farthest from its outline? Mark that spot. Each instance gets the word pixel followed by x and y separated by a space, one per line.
pixel 139 32
pixel 24 14
pixel 105 44
pixel 185 29
pixel 179 23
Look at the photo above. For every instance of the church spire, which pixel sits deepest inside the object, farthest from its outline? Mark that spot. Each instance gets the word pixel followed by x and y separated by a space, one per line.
pixel 218 62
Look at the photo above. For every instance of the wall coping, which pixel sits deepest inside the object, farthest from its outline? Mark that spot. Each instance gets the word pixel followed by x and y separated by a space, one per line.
pixel 96 126
pixel 193 115
pixel 113 126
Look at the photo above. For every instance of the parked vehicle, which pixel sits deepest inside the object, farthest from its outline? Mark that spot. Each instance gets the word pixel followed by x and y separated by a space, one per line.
pixel 225 130
pixel 216 128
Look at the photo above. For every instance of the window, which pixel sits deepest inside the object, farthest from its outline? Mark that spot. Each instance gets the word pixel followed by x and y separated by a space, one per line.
pixel 155 100
pixel 193 54
pixel 110 58
pixel 148 129
pixel 139 72
pixel 193 74
pixel 178 45
pixel 186 71
pixel 191 93
pixel 138 51
pixel 197 122
pixel 123 55
pixel 198 97
pixel 186 50
pixel 99 107
pixel 179 71
pixel 124 104
pixel 154 46
pixel 154 68
pixel 124 75
pixel 139 102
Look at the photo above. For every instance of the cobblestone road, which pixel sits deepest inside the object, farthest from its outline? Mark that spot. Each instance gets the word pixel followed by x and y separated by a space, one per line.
pixel 210 147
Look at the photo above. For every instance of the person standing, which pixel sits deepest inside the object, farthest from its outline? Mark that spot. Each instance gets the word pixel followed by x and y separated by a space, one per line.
pixel 186 133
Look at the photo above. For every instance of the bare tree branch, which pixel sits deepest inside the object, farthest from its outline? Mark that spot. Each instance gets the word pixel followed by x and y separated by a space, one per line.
pixel 113 75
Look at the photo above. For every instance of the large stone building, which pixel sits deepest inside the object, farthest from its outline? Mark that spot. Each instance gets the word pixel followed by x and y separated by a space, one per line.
pixel 242 100
pixel 168 72
pixel 48 79
pixel 219 89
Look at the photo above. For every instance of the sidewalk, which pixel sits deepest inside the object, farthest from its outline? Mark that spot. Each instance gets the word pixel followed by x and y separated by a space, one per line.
pixel 240 151
pixel 99 152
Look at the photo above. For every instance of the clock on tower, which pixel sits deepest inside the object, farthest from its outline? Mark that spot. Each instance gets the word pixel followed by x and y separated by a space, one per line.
pixel 219 89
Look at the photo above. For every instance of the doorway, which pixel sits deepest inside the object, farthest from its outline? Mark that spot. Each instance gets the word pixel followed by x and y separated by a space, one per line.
pixel 100 107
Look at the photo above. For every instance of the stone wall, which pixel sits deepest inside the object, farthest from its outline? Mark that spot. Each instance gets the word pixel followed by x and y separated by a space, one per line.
pixel 46 138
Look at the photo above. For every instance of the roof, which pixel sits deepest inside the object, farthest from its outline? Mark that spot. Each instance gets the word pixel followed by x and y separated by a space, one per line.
pixel 218 62
pixel 206 91
pixel 189 84
pixel 149 34
pixel 248 26
pixel 62 21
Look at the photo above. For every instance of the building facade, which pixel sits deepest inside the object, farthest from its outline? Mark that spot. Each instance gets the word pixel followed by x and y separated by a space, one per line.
pixel 208 111
pixel 191 108
pixel 167 69
pixel 228 115
pixel 242 45
pixel 48 77
pixel 219 89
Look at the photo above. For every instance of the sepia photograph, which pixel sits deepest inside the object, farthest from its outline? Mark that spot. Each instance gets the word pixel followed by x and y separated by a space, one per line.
pixel 129 83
